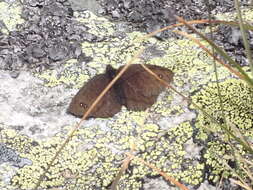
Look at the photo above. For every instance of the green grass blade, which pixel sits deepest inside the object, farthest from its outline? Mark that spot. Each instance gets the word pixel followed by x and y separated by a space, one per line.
pixel 244 36
pixel 221 52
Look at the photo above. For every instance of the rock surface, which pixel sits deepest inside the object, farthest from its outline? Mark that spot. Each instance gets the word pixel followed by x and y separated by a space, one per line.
pixel 56 46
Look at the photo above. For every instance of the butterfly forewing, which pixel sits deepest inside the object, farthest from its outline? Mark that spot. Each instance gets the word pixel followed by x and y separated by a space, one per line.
pixel 140 89
pixel 136 89
pixel 106 107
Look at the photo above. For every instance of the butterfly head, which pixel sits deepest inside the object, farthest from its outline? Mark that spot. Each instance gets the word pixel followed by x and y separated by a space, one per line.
pixel 164 74
pixel 78 106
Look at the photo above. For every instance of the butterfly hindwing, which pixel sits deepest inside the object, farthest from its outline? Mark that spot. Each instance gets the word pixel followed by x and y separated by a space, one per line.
pixel 136 89
pixel 140 89
pixel 106 107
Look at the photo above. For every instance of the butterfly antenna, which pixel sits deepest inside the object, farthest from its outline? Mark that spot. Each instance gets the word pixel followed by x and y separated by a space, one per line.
pixel 110 71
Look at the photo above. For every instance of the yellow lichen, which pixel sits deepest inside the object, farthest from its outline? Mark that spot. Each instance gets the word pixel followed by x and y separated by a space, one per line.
pixel 10 15
pixel 95 154
pixel 238 105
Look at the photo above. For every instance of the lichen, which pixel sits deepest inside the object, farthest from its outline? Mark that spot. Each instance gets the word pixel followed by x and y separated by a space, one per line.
pixel 231 16
pixel 95 153
pixel 10 15
pixel 237 98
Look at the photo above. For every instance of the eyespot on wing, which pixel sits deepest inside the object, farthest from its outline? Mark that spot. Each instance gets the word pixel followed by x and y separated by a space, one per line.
pixel 106 107
pixel 138 89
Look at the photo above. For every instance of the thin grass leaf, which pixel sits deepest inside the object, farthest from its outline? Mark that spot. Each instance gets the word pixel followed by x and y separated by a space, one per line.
pixel 247 171
pixel 85 116
pixel 234 172
pixel 224 127
pixel 230 23
pixel 231 69
pixel 249 162
pixel 244 36
pixel 220 51
pixel 240 184
pixel 239 160
pixel 215 65
pixel 123 168
pixel 245 168
pixel 238 133
pixel 168 178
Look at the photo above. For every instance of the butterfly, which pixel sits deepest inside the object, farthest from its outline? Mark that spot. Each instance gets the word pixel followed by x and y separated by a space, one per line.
pixel 136 89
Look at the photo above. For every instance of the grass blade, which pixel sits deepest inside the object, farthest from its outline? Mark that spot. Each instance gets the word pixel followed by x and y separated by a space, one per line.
pixel 244 36
pixel 220 51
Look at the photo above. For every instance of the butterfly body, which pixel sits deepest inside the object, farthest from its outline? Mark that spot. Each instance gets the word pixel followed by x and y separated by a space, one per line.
pixel 136 89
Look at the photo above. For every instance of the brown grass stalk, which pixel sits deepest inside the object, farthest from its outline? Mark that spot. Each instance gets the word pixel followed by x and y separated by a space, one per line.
pixel 245 186
pixel 123 168
pixel 168 178
pixel 85 116
pixel 231 69
pixel 219 50
pixel 128 159
pixel 204 21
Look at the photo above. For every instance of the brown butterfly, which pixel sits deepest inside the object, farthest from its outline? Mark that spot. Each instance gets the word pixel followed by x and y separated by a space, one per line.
pixel 136 89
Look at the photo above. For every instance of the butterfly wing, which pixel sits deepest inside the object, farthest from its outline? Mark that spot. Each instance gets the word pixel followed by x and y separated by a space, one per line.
pixel 138 89
pixel 106 107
